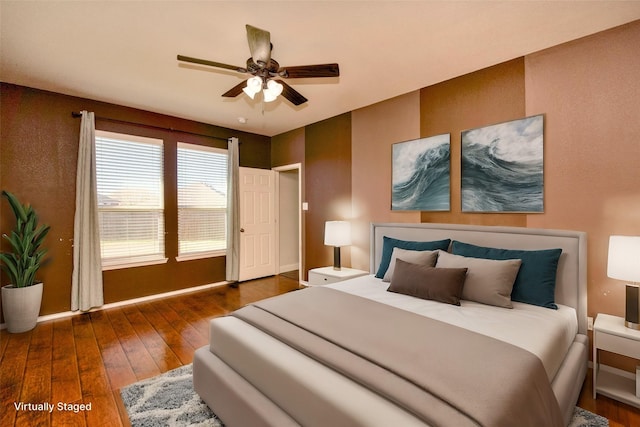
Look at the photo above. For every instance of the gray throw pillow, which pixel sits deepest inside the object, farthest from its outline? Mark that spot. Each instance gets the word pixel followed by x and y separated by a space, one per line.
pixel 488 281
pixel 427 258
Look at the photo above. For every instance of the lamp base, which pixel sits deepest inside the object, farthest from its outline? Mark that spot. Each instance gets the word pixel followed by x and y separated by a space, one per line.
pixel 632 303
pixel 336 258
pixel 631 325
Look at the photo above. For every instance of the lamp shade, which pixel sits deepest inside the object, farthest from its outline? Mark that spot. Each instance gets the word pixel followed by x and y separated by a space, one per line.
pixel 624 258
pixel 272 91
pixel 337 233
pixel 254 85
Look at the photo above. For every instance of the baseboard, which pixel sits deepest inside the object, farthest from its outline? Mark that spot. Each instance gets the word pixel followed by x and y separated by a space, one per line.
pixel 617 371
pixel 64 314
pixel 289 267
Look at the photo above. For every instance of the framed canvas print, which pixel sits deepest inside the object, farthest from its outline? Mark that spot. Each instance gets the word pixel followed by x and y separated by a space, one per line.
pixel 502 167
pixel 421 174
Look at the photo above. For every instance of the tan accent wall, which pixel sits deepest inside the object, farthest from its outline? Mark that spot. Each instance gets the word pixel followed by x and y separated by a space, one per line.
pixel 589 91
pixel 485 97
pixel 488 96
pixel 374 130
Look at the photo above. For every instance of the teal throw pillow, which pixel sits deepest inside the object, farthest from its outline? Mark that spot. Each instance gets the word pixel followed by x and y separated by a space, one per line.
pixel 389 243
pixel 536 281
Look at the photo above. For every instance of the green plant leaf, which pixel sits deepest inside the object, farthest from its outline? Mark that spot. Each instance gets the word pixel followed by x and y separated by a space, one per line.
pixel 16 243
pixel 10 266
pixel 16 206
pixel 25 259
pixel 40 234
pixel 29 275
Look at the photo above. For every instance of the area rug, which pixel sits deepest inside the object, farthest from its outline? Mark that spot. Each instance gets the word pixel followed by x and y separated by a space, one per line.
pixel 169 400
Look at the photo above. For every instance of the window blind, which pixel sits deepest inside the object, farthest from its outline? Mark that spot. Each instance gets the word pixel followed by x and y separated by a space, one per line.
pixel 129 172
pixel 202 199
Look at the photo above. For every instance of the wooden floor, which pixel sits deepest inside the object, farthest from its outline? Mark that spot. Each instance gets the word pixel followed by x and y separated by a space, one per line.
pixel 618 414
pixel 87 358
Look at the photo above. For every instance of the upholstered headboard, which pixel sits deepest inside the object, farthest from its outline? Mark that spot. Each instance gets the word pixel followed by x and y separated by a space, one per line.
pixel 571 279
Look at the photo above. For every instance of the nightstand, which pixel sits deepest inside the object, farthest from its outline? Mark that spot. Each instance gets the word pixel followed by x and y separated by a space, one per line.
pixel 610 334
pixel 326 275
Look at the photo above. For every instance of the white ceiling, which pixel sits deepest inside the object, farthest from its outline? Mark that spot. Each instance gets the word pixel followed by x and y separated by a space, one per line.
pixel 124 52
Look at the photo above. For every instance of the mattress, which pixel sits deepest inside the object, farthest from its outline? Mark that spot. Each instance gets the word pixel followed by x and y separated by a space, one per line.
pixel 542 331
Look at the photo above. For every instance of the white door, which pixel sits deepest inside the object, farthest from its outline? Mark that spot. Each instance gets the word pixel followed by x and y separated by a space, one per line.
pixel 257 223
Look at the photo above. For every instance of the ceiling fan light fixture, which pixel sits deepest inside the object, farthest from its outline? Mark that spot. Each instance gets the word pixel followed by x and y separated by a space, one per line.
pixel 263 67
pixel 272 91
pixel 254 84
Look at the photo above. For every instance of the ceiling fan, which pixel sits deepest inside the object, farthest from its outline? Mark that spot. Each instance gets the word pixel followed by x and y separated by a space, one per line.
pixel 266 71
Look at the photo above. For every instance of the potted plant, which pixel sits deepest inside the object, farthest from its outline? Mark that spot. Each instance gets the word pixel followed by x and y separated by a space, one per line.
pixel 22 297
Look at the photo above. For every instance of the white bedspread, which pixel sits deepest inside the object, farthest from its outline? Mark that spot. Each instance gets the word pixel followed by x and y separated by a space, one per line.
pixel 542 331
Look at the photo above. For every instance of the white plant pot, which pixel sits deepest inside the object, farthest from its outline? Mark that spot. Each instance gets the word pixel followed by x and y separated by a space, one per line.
pixel 21 306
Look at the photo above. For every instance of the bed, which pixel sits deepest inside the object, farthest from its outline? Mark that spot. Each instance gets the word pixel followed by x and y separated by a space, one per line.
pixel 354 354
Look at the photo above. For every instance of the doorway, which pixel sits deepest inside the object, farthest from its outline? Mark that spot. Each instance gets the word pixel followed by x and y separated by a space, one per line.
pixel 289 220
pixel 258 219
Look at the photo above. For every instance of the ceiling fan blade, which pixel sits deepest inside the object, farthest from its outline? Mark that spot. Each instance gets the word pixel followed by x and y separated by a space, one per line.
pixel 236 90
pixel 320 70
pixel 291 94
pixel 211 63
pixel 259 45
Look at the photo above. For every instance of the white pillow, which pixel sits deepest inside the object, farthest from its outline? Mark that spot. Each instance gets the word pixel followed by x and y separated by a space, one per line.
pixel 427 258
pixel 488 281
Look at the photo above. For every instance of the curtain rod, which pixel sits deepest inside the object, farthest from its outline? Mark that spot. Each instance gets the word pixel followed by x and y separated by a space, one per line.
pixel 79 114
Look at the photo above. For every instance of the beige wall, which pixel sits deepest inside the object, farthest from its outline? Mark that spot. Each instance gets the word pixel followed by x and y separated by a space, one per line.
pixel 374 129
pixel 590 92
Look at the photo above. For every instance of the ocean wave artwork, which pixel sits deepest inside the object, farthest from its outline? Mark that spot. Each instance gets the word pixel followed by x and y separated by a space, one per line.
pixel 421 174
pixel 502 167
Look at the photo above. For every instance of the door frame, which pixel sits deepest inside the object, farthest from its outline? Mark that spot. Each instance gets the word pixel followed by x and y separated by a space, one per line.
pixel 278 170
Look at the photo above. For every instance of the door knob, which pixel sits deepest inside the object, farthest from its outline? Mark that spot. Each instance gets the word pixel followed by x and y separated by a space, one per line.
pixel 242 230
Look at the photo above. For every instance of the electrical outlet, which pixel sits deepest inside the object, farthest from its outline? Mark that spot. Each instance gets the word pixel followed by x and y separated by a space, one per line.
pixel 590 323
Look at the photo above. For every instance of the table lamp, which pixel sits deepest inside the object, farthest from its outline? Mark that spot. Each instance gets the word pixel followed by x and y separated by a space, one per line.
pixel 337 234
pixel 624 264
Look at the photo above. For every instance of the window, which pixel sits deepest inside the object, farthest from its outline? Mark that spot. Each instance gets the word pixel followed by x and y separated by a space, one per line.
pixel 129 172
pixel 202 200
